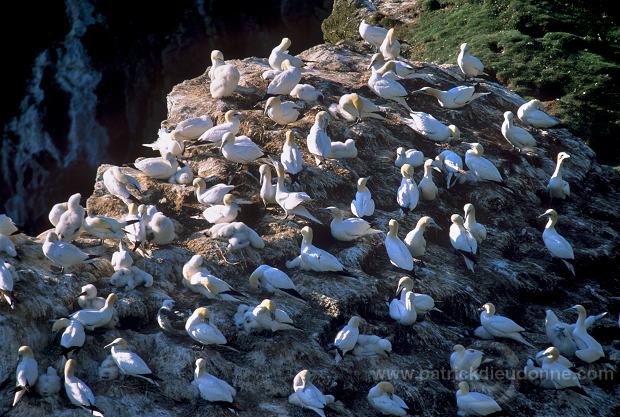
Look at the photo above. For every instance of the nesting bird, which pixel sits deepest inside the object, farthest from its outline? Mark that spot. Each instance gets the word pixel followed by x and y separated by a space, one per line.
pixel 381 397
pixel 363 205
pixel 397 251
pixel 291 158
pixel 463 241
pixel 390 47
pixel 555 243
pixel 267 191
pixel 239 149
pixel 469 64
pixel 454 98
pixel 26 374
pixel 531 113
pixel 119 185
pixel 557 186
pixel 385 87
pixel 70 223
pixel 193 128
pixel 307 395
pixel 413 157
pixel 374 35
pixel 465 362
pixel 130 363
pixel 349 229
pixel 238 234
pixel 353 108
pixel 200 327
pixel 212 388
pixel 427 187
pixel 480 166
pixel 93 318
pixel 589 349
pixel 312 258
pixel 280 53
pixel 273 280
pixel 231 124
pixel 281 112
pixel 318 141
pixel 471 403
pixel 343 150
pixel 78 392
pixel 267 316
pixel 429 127
pixel 63 254
pixel 307 93
pixel 477 230
pixel 518 137
pixel 292 202
pixel 346 338
pixel 48 384
pixel 224 213
pixel 371 345
pixel 408 194
pixel 414 240
pixel 284 82
pixel 224 77
pixel 212 195
pixel 500 326
pixel 73 336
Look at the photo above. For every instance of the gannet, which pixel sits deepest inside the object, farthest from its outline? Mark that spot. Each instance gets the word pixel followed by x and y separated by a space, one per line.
pixel 78 392
pixel 431 128
pixel 560 334
pixel 212 195
pixel 8 276
pixel 500 326
pixel 451 164
pixel 272 280
pixel 224 213
pixel 280 53
pixel 224 77
pixel 401 70
pixel 387 88
pixel 415 241
pixel 397 251
pixel 69 224
pixel 402 310
pixel 167 142
pixel 284 82
pixel 381 397
pixel 130 363
pixel 183 175
pixel 465 362
pixel 238 234
pixel 108 370
pixel 558 187
pixel 480 166
pixel 193 128
pixel 371 345
pixel 408 194
pixel 73 336
pixel 48 384
pixel 469 64
pixel 267 188
pixel 412 157
pixel 463 241
pixel 346 338
pixel 93 318
pixel 518 137
pixel 27 373
pixel 307 93
pixel 353 108
pixel 292 202
pixel 312 258
pixel 136 232
pixel 307 395
pixel 422 303
pixel 454 98
pixel 169 320
pixel 588 349
pixel 474 403
pixel 555 243
pixel 318 141
pixel 291 158
pixel 268 317
pixel 541 358
pixel 349 229
pixel 160 168
pixel 211 388
pixel 130 278
pixel 374 35
pixel 88 298
pixel 106 228
pixel 7 227
pixel 427 187
pixel 239 149
pixel 477 230
pixel 280 112
pixel 231 124
pixel 200 327
pixel 119 184
pixel 63 254
pixel 212 287
pixel 194 265
pixel 55 213
pixel 161 229
pixel 363 205
pixel 390 47
pixel 343 150
pixel 531 113
pixel 557 374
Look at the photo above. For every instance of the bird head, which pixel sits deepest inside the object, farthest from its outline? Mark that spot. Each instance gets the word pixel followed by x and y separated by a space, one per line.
pixel 458 348
pixel 489 308
pixel 393 227
pixel 269 305
pixel 386 387
pixel 111 300
pixel 455 133
pixel 272 102
pixel 217 56
pixel 406 171
pixel 307 234
pixel 60 324
pixel 227 138
pixel 119 341
pixel 25 352
pixel 289 138
pixel 404 284
pixel 361 183
pixel 376 58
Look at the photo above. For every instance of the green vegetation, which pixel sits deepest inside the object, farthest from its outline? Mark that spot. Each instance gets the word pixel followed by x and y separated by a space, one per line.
pixel 551 49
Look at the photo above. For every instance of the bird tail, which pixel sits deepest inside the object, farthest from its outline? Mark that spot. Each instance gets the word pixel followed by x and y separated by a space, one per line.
pixel 95 411
pixel 293 292
pixel 92 257
pixel 303 212
pixel 570 267
pixel 19 393
pixel 17 232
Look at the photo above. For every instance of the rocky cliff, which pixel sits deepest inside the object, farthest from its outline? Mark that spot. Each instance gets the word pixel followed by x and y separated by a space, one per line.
pixel 515 271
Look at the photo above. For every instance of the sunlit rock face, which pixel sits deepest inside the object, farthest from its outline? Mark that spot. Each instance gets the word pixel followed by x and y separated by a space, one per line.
pixel 514 271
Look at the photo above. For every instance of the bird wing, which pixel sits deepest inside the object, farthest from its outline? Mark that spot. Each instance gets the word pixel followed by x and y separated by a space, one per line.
pixel 346 338
pixel 216 132
pixel 215 389
pixel 483 168
pixel 282 316
pixel 130 363
pixel 292 200
pixel 356 226
pixel 320 260
pixel 462 94
pixel 78 391
pixel 503 324
pixel 385 87
pixel 557 245
pixel 278 279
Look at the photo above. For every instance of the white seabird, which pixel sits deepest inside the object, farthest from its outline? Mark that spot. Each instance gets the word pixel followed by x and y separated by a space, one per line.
pixel 363 205
pixel 292 202
pixel 63 254
pixel 271 279
pixel 354 108
pixel 58 210
pixel 465 362
pixel 412 157
pixel 224 213
pixel 307 93
pixel 474 403
pixel 291 158
pixel 312 258
pixel 212 287
pixel 381 397
pixel 7 227
pixel 451 164
pixel 408 194
pixel 93 318
pixel 285 81
pixel 161 229
pixel 78 392
pixel 387 88
pixel 212 195
pixel 200 327
pixel 477 230
pixel 105 227
pixel 480 166
pixel 280 112
pixel 70 223
pixel 371 345
pixel 280 53
pixel 397 251
pixel 346 338
pixel 469 64
pixel 588 349
pixel 555 243
pixel 500 326
pixel 167 142
pixel 193 128
pixel 560 334
pixel 108 370
pixel 8 276
pixel 374 35
pixel 224 77
pixel 518 137
pixel 48 384
pixel 427 187
pixel 429 127
pixel 557 186
pixel 268 317
pixel 349 229
pixel 422 303
pixel 307 395
pixel 136 232
pixel 402 309
pixel 463 241
pixel 454 98
pixel 88 299
pixel 390 47
pixel 191 267
pixel 343 150
pixel 267 191
pixel 160 168
pixel 119 184
pixel 27 373
pixel 169 320
pixel 238 234
pixel 73 336
pixel 414 240
pixel 239 149
pixel 531 113
pixel 401 69
pixel 556 375
pixel 318 141
pixel 231 124
pixel 130 363
pixel 211 388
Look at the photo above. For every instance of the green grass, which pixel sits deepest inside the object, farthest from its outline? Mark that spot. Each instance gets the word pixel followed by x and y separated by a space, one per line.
pixel 567 50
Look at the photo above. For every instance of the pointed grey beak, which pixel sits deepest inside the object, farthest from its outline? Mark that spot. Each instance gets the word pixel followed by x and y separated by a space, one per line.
pixel 542 215
pixel 569 309
pixel 109 346
pixel 84 293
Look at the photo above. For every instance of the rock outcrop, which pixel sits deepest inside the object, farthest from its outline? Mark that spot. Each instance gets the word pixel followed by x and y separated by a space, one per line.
pixel 515 271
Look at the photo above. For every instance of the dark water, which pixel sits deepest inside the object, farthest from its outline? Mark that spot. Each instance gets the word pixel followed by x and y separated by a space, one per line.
pixel 90 86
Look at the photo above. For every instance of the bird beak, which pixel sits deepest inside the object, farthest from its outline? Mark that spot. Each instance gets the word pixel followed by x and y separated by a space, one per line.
pixel 542 215
pixel 570 309
pixel 324 210
pixel 481 309
pixel 84 293
pixel 369 66
pixel 109 346
pixel 417 91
